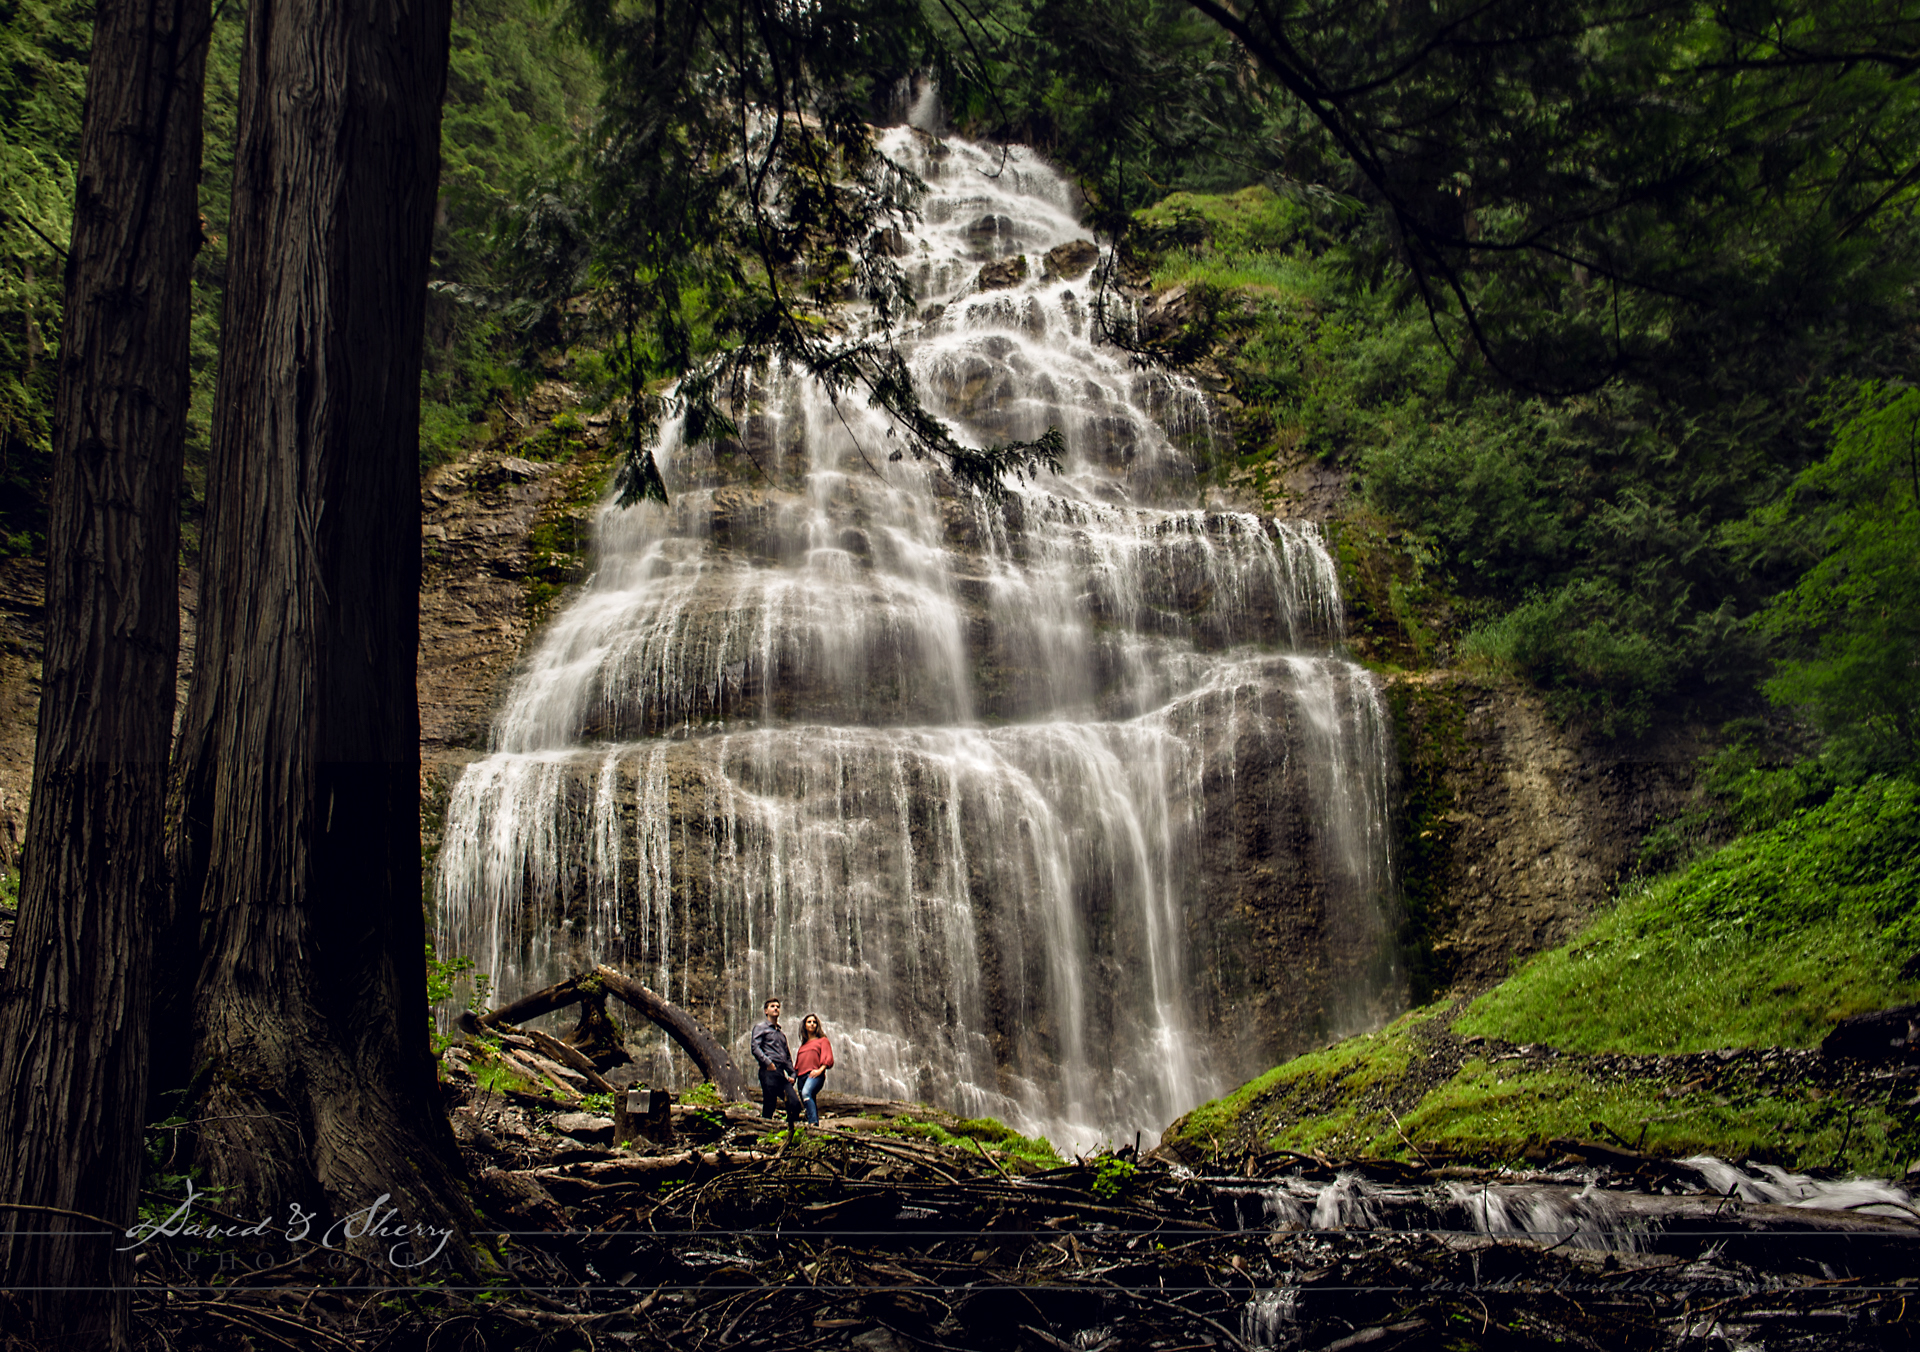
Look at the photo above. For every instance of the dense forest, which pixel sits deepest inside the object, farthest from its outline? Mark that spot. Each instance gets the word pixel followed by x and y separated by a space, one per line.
pixel 1625 381
pixel 1602 317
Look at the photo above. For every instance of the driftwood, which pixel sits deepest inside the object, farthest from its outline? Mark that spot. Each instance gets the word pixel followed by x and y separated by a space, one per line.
pixel 686 1031
pixel 836 1238
pixel 532 1006
pixel 556 1050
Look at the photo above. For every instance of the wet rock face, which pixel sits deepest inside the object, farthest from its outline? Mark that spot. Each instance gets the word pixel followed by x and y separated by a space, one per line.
pixel 989 234
pixel 477 522
pixel 1535 824
pixel 1063 808
pixel 1071 260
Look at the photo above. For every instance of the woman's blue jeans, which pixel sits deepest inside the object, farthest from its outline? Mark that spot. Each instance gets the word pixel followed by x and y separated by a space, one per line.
pixel 808 1088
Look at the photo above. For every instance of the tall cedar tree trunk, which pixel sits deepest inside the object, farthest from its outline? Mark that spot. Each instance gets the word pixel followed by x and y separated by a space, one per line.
pixel 298 767
pixel 75 999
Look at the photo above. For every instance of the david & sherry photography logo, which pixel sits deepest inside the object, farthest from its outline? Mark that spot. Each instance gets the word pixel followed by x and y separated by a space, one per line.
pixel 407 1244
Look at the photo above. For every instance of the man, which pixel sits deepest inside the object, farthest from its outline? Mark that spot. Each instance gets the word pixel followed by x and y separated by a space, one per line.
pixel 769 1046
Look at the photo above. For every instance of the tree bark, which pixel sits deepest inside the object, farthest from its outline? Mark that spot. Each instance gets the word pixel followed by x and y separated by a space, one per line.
pixel 297 772
pixel 75 998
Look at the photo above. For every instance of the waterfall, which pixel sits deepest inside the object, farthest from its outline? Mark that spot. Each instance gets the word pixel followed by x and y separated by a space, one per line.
pixel 1066 809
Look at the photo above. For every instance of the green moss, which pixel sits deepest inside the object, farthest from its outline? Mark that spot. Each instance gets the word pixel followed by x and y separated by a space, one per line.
pixel 987 1131
pixel 1766 943
pixel 1252 221
pixel 1288 1107
pixel 1495 1112
pixel 557 554
pixel 1769 941
pixel 1429 728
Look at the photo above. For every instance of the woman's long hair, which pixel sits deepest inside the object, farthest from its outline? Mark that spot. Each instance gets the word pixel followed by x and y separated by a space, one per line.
pixel 820 1029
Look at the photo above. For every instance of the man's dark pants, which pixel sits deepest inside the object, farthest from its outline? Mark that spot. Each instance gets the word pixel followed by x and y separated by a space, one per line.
pixel 776 1088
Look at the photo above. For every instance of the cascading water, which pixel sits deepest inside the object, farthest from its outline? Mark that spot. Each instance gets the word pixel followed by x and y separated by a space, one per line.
pixel 1064 809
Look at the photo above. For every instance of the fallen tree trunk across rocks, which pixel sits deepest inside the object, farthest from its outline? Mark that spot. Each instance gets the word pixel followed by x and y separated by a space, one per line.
pixel 692 1037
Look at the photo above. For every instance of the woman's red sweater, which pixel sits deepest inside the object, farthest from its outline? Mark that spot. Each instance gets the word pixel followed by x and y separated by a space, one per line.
pixel 813 1057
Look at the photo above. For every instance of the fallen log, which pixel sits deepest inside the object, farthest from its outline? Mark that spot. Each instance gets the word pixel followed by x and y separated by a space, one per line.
pixel 688 1032
pixel 692 1037
pixel 545 1001
pixel 646 1166
pixel 556 1050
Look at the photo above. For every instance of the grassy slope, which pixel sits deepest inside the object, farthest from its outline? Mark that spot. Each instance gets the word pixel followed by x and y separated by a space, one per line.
pixel 1633 1029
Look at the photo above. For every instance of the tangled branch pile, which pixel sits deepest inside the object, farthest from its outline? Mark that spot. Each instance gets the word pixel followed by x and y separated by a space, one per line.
pixel 861 1235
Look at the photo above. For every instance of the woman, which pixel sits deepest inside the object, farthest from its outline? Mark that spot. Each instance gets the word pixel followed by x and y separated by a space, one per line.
pixel 811 1064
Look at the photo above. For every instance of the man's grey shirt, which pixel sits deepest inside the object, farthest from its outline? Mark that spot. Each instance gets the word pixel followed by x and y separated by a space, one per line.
pixel 770 1046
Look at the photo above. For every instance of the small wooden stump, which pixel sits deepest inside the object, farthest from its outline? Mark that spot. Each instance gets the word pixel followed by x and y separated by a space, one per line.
pixel 658 1123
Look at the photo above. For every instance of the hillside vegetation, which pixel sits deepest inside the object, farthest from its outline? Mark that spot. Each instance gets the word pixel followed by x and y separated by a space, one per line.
pixel 1682 1021
pixel 1646 555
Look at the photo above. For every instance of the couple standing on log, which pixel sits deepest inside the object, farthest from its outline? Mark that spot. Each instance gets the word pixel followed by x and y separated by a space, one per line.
pixel 781 1071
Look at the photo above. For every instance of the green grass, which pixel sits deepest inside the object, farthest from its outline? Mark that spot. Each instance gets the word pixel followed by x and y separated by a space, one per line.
pixel 1350 1068
pixel 1280 276
pixel 1768 942
pixel 990 1132
pixel 1253 220
pixel 1497 1112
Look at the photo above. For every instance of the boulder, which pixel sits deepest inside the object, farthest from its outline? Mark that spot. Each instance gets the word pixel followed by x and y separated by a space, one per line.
pixel 514 467
pixel 584 1127
pixel 1070 260
pixel 1889 1034
pixel 1003 273
pixel 989 230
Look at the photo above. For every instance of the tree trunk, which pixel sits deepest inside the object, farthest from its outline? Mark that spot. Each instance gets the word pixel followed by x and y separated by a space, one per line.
pixel 297 773
pixel 75 998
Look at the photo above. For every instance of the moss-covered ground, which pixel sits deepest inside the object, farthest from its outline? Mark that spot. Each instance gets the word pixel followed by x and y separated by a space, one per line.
pixel 1686 1019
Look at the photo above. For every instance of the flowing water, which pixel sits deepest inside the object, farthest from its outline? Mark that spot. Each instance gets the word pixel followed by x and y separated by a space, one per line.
pixel 1067 810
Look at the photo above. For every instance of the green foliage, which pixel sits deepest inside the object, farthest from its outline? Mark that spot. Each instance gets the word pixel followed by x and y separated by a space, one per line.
pixel 1609 187
pixel 43 49
pixel 986 1131
pixel 1113 1178
pixel 1769 941
pixel 703 1095
pixel 1575 643
pixel 494 1076
pixel 518 94
pixel 449 978
pixel 9 889
pixel 1850 626
pixel 706 1122
pixel 1252 222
